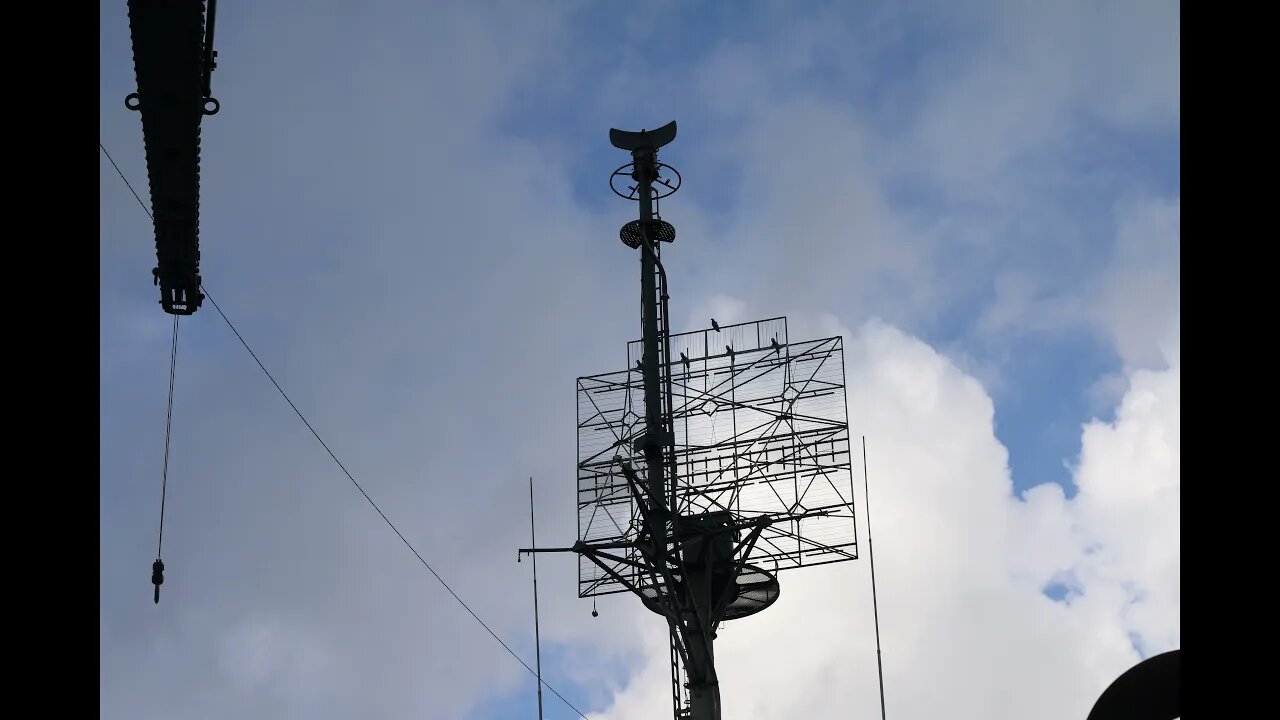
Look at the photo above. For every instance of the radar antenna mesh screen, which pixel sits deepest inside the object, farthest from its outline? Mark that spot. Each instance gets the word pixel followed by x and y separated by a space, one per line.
pixel 761 429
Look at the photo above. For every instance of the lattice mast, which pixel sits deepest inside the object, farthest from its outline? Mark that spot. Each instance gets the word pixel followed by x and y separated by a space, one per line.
pixel 691 632
pixel 698 468
pixel 657 441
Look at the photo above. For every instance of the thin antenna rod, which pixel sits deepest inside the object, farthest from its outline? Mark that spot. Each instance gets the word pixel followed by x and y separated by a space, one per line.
pixel 866 492
pixel 537 638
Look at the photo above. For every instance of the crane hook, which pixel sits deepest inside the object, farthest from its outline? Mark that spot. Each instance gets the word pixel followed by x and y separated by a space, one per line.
pixel 157 577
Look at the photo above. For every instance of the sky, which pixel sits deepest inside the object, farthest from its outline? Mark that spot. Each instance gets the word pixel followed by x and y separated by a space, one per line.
pixel 405 212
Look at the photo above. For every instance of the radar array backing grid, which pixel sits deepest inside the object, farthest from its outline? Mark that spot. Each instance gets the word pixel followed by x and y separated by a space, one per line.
pixel 712 462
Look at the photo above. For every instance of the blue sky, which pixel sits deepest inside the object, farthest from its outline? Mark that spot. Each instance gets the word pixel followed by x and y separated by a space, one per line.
pixel 405 211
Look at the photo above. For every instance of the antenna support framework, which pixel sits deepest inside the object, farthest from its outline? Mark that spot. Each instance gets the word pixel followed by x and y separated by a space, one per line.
pixel 704 472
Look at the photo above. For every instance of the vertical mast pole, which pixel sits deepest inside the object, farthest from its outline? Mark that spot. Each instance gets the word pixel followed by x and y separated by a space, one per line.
pixel 875 605
pixel 645 171
pixel 537 637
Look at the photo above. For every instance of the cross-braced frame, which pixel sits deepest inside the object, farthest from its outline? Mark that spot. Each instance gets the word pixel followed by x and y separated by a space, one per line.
pixel 760 431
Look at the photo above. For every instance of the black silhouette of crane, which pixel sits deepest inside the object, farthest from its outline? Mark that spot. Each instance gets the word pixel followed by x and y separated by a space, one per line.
pixel 173 59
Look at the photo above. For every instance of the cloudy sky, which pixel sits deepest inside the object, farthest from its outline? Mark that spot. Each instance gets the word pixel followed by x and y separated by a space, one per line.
pixel 405 212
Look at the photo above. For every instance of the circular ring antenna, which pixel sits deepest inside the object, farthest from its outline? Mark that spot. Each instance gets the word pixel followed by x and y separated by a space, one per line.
pixel 662 187
pixel 659 231
pixel 133 101
pixel 756 589
pixel 211 106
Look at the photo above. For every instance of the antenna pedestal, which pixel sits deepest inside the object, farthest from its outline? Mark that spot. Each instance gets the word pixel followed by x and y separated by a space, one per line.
pixel 704 695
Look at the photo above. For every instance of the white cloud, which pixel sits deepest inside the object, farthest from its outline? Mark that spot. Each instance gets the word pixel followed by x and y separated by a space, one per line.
pixel 1137 305
pixel 1030 73
pixel 272 655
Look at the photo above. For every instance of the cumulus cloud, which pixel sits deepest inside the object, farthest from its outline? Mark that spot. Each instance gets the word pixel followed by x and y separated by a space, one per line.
pixel 1140 291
